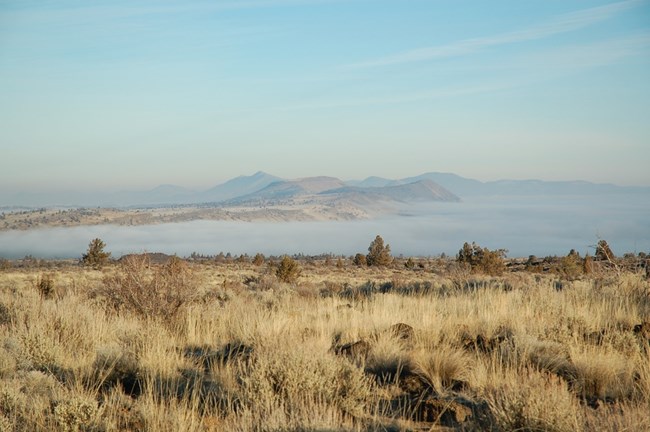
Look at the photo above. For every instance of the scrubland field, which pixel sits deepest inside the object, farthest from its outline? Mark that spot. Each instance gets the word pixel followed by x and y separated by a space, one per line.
pixel 229 346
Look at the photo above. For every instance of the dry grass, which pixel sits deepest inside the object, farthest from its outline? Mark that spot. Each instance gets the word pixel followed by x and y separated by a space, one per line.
pixel 206 347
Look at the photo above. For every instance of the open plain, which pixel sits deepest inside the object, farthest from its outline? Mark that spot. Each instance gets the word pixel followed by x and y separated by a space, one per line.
pixel 163 344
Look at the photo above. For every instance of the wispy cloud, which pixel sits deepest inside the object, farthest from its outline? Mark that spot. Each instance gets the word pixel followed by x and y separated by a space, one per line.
pixel 584 56
pixel 561 24
pixel 524 70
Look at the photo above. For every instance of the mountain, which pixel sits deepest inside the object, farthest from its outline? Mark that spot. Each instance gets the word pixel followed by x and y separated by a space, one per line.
pixel 539 187
pixel 239 186
pixel 332 192
pixel 465 187
pixel 417 191
pixel 263 187
pixel 460 186
pixel 287 189
pixel 373 181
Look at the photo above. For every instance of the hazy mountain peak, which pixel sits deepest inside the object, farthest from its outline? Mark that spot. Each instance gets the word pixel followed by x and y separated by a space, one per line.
pixel 319 183
pixel 262 185
pixel 238 186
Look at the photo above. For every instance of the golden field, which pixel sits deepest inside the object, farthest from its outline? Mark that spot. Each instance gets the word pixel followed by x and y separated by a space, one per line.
pixel 207 346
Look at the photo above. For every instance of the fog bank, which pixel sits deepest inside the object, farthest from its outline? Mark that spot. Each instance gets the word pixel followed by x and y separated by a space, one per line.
pixel 525 226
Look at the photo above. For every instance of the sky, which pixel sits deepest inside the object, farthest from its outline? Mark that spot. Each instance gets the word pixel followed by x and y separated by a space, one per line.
pixel 113 95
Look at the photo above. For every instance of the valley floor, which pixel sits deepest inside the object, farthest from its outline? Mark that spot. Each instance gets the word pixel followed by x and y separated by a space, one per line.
pixel 277 212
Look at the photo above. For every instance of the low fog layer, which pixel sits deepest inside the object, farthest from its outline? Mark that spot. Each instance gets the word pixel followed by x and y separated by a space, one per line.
pixel 524 226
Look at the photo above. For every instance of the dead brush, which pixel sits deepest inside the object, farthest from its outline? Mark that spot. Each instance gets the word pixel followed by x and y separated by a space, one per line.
pixel 45 285
pixel 149 291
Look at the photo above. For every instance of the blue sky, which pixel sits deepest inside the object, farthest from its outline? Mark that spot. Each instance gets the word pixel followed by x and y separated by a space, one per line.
pixel 130 94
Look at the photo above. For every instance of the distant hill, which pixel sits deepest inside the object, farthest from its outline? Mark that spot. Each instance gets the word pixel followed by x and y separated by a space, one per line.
pixel 418 191
pixel 373 181
pixel 458 185
pixel 282 190
pixel 465 187
pixel 263 187
pixel 239 186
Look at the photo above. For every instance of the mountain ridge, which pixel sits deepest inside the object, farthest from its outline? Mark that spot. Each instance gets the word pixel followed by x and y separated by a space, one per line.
pixel 247 188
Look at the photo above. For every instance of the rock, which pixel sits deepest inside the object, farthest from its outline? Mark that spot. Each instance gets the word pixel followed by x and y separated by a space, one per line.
pixel 413 384
pixel 208 357
pixel 402 331
pixel 358 350
pixel 443 411
pixel 235 350
pixel 642 332
pixel 486 344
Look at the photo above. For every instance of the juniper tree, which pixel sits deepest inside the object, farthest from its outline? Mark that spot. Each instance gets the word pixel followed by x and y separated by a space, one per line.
pixel 288 271
pixel 95 256
pixel 378 254
pixel 482 260
pixel 360 260
pixel 603 252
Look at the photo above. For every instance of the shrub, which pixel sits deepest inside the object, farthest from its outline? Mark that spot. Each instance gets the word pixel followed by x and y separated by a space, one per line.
pixel 482 260
pixel 288 271
pixel 7 314
pixel 603 252
pixel 5 264
pixel 571 265
pixel 45 285
pixel 157 292
pixel 75 413
pixel 378 254
pixel 95 256
pixel 360 260
pixel 588 265
pixel 293 379
pixel 259 259
pixel 8 364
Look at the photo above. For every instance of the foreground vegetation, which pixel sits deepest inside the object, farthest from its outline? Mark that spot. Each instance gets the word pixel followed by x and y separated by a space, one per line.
pixel 327 345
